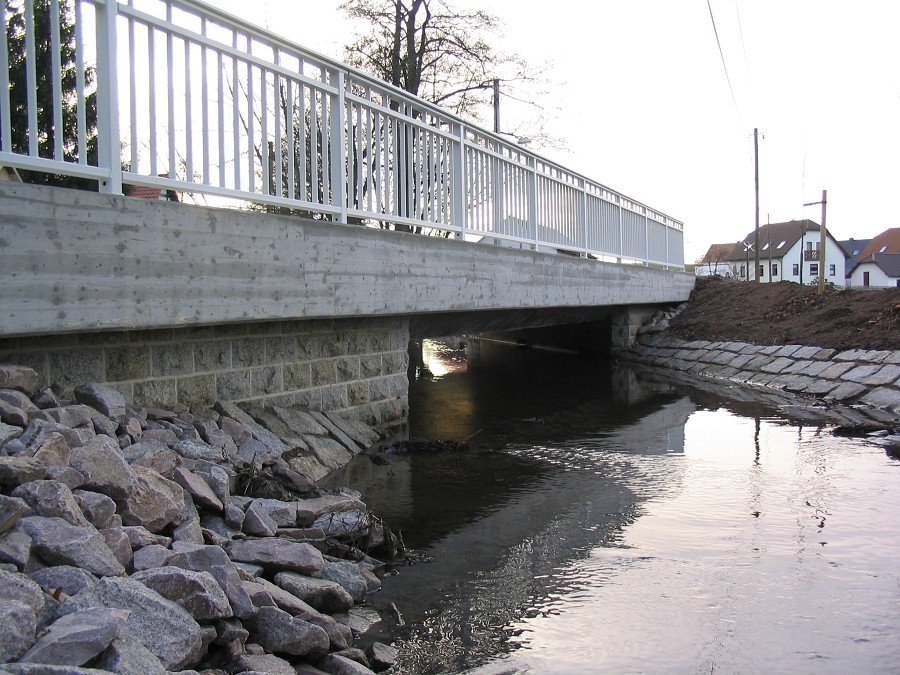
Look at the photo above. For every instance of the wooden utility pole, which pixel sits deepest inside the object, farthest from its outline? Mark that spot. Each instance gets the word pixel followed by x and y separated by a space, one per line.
pixel 756 181
pixel 823 234
pixel 496 106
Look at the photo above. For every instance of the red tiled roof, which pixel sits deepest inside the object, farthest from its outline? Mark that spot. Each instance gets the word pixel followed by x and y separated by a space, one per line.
pixel 143 192
pixel 889 240
pixel 717 253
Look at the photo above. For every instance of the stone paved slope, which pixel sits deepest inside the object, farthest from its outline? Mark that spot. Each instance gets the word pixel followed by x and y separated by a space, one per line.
pixel 855 376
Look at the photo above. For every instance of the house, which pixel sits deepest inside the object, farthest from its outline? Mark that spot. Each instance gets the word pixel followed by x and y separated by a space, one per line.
pixel 853 247
pixel 878 264
pixel 147 192
pixel 715 261
pixel 879 270
pixel 787 252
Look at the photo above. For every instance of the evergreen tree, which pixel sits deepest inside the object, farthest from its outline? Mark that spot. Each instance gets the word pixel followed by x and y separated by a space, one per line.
pixel 18 88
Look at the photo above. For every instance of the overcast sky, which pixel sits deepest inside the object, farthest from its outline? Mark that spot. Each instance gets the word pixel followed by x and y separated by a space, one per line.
pixel 640 97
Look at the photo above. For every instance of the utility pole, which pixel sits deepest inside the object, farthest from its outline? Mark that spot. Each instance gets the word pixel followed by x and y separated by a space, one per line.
pixel 822 239
pixel 756 181
pixel 496 106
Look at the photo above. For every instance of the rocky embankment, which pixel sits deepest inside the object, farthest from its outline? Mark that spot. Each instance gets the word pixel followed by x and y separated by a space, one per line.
pixel 153 541
pixel 865 381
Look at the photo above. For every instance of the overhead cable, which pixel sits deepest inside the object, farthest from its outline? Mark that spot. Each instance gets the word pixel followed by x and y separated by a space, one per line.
pixel 722 56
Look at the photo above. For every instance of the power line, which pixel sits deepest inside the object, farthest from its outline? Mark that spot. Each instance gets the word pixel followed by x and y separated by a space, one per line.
pixel 743 45
pixel 722 56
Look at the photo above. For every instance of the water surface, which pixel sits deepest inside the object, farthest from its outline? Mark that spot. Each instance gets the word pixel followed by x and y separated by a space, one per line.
pixel 606 522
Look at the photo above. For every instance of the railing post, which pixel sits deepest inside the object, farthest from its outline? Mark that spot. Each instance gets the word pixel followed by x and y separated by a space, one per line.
pixel 496 175
pixel 532 200
pixel 582 214
pixel 108 139
pixel 339 139
pixel 621 229
pixel 646 238
pixel 458 180
pixel 667 246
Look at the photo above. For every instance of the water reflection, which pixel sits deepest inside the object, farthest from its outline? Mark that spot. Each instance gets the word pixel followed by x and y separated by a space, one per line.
pixel 612 523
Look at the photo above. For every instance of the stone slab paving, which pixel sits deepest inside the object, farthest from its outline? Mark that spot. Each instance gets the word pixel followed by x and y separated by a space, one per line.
pixel 853 376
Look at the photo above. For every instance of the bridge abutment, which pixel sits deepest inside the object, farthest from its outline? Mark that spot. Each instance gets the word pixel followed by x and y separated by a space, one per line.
pixel 356 365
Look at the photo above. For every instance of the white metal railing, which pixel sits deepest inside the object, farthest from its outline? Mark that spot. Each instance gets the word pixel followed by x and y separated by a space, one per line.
pixel 194 100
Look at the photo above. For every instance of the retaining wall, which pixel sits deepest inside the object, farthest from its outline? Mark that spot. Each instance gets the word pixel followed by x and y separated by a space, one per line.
pixel 855 376
pixel 357 365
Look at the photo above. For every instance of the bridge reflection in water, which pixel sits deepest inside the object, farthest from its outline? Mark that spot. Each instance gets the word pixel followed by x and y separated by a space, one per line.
pixel 498 524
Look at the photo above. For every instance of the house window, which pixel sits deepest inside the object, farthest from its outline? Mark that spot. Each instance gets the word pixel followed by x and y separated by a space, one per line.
pixel 832 270
pixel 743 271
pixel 774 270
pixel 814 269
pixel 762 271
pixel 765 247
pixel 866 279
pixel 796 270
pixel 781 244
pixel 882 249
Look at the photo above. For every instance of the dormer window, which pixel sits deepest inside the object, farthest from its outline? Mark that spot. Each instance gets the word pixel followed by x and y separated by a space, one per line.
pixel 883 249
pixel 781 244
pixel 766 246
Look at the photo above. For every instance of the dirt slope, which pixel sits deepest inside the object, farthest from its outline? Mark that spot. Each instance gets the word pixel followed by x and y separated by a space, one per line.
pixel 774 314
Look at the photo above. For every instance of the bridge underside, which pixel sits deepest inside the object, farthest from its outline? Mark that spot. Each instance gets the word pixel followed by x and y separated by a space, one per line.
pixel 176 303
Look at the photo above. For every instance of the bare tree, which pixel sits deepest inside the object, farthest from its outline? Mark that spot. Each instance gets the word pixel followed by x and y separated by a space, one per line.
pixel 439 53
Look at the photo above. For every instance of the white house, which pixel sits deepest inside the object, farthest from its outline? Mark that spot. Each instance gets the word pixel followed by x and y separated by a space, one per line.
pixel 879 270
pixel 788 252
pixel 715 261
pixel 878 264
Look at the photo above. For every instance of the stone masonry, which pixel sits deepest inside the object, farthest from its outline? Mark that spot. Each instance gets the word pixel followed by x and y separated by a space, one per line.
pixel 855 376
pixel 355 365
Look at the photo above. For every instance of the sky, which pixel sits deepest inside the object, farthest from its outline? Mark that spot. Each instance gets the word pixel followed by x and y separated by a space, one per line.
pixel 638 95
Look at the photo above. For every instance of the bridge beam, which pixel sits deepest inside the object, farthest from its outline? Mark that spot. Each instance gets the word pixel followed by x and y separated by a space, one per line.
pixel 78 261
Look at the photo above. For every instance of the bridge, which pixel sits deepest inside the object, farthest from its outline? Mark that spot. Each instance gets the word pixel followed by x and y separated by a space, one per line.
pixel 322 218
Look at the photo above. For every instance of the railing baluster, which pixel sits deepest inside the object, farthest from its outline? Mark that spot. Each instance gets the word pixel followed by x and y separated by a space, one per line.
pixel 5 125
pixel 292 192
pixel 204 105
pixel 56 65
pixel 151 87
pixel 132 98
pixel 251 151
pixel 188 116
pixel 31 81
pixel 236 120
pixel 328 137
pixel 339 148
pixel 305 181
pixel 220 109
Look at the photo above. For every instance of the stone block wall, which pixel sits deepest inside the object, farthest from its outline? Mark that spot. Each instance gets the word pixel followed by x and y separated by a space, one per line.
pixel 356 365
pixel 853 376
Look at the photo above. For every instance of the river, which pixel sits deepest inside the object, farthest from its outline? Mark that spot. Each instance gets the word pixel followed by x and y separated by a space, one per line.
pixel 605 522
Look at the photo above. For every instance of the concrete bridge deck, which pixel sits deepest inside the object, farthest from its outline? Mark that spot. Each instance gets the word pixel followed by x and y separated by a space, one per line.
pixel 79 261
